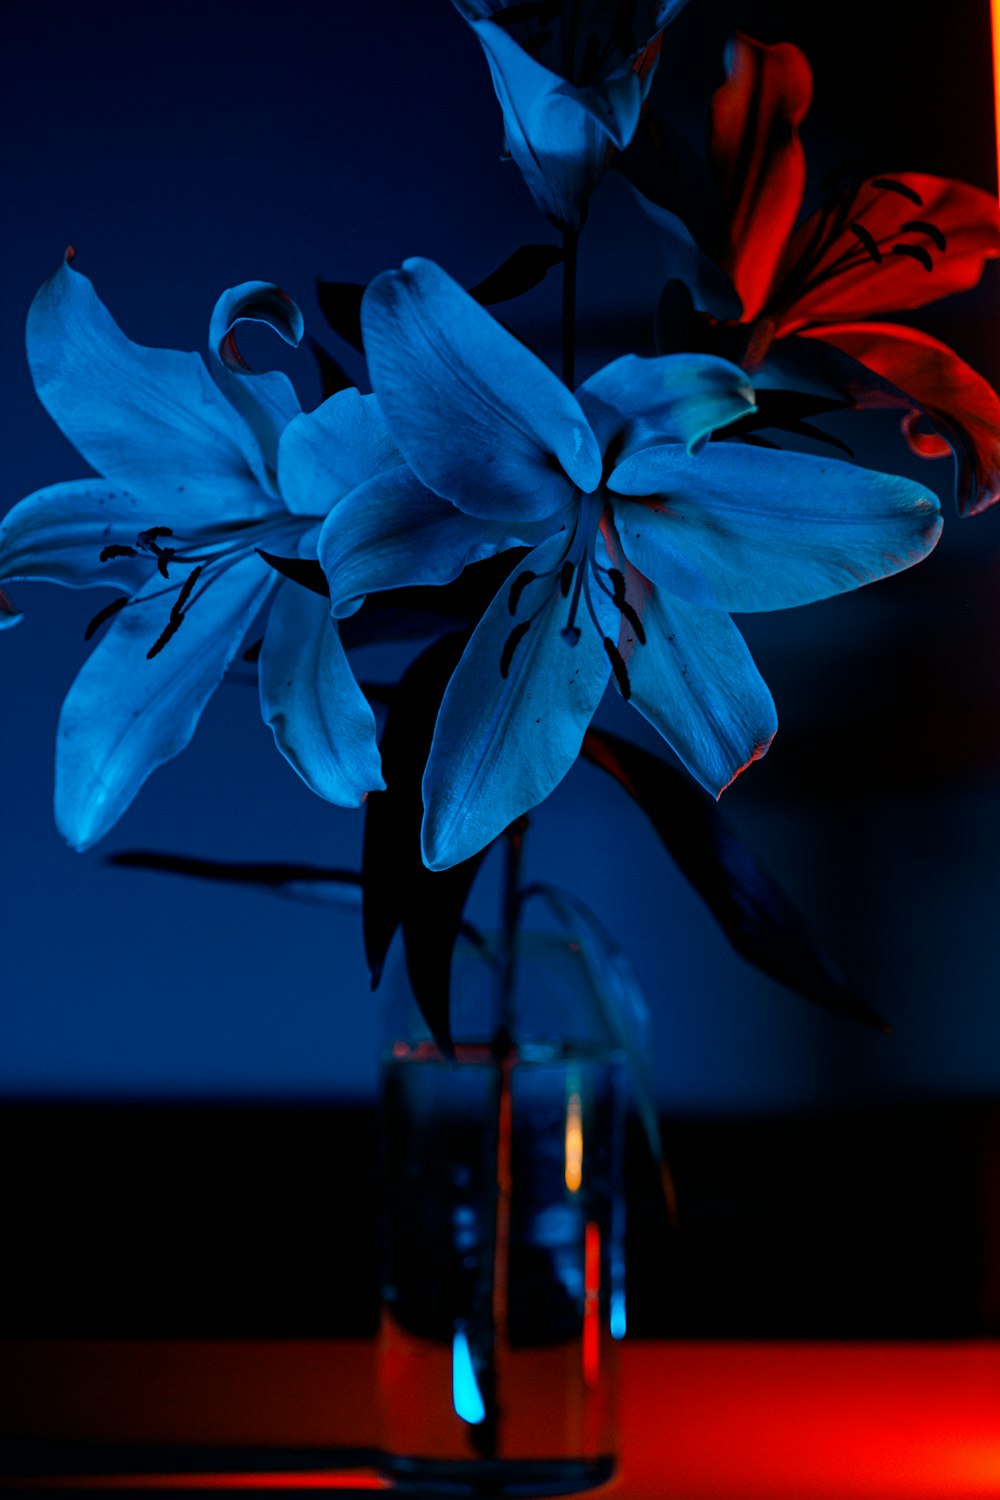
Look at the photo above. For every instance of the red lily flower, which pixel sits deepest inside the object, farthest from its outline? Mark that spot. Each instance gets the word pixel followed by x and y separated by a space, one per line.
pixel 888 244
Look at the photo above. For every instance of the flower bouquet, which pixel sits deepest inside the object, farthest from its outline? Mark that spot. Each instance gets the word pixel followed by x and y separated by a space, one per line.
pixel 528 541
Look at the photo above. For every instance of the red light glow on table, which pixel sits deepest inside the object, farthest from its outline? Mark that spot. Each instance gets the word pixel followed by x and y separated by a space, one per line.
pixel 812 1422
pixel 699 1421
pixel 329 1483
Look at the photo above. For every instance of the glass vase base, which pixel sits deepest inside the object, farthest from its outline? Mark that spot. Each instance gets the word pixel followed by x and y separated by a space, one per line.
pixel 479 1479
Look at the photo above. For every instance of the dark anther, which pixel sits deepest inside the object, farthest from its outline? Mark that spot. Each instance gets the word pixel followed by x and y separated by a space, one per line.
pixel 171 629
pixel 892 186
pixel 621 603
pixel 618 667
pixel 117 550
pixel 176 614
pixel 518 587
pixel 867 239
pixel 921 226
pixel 148 539
pixel 915 252
pixel 105 614
pixel 633 619
pixel 566 578
pixel 511 644
pixel 164 555
pixel 185 593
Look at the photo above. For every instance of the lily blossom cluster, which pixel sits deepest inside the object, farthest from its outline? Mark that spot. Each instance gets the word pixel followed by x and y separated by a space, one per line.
pixel 197 477
pixel 631 521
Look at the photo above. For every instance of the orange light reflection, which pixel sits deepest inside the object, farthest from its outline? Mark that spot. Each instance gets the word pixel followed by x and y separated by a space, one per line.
pixel 574 1142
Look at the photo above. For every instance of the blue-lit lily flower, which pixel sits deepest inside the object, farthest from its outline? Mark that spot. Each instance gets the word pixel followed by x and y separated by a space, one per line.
pixel 571 76
pixel 642 541
pixel 191 491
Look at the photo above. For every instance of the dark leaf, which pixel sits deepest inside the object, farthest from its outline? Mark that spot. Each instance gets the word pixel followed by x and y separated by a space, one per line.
pixel 756 916
pixel 624 1011
pixel 527 267
pixel 333 377
pixel 312 883
pixel 340 304
pixel 302 570
pixel 787 411
pixel 399 891
pixel 423 611
pixel 666 170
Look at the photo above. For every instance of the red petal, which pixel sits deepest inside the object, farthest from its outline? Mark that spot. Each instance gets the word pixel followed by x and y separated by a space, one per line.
pixel 961 405
pixel 918 238
pixel 758 160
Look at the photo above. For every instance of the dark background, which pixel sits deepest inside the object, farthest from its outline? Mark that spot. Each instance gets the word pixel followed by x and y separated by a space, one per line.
pixel 188 1070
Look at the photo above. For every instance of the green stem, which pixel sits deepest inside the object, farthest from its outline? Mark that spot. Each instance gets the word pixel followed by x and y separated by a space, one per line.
pixel 571 241
pixel 491 1320
pixel 510 911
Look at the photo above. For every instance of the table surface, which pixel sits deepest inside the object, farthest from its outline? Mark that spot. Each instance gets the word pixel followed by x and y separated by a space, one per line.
pixel 719 1421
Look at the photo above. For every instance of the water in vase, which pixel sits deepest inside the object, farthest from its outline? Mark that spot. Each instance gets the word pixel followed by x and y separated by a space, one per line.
pixel 503 1270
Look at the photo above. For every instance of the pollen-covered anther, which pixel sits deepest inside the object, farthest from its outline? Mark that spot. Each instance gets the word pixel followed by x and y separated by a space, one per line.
pixel 924 226
pixel 511 644
pixel 867 240
pixel 176 614
pixel 624 607
pixel 518 587
pixel 618 667
pixel 104 614
pixel 915 252
pixel 891 185
pixel 117 549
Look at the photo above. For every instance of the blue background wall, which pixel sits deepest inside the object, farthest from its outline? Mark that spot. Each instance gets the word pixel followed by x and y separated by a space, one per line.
pixel 183 149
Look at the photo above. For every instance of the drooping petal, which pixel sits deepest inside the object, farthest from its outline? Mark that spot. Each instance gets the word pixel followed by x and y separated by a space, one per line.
pixel 326 453
pixel 515 712
pixel 758 159
pixel 393 532
pixel 560 140
pixel 321 720
pixel 126 714
pixel 899 242
pixel 267 400
pixel 963 406
pixel 692 676
pixel 59 534
pixel 10 615
pixel 477 416
pixel 151 420
pixel 741 529
pixel 681 398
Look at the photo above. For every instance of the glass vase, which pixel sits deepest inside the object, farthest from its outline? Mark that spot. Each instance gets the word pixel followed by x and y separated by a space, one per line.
pixel 503 1234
